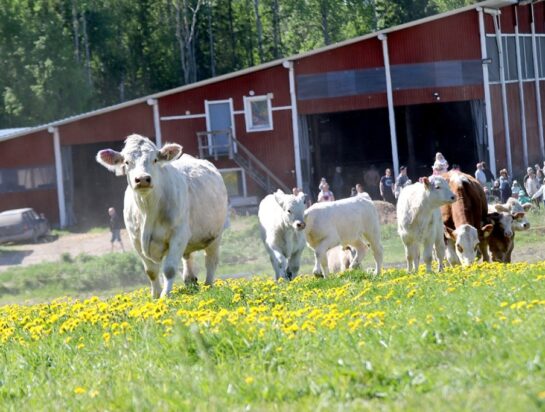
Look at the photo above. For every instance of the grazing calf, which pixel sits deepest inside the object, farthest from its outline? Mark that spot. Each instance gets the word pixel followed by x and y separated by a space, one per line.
pixel 173 207
pixel 464 230
pixel 343 222
pixel 281 226
pixel 510 219
pixel 416 221
pixel 340 257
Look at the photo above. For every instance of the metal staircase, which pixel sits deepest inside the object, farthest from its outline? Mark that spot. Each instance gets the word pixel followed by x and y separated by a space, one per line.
pixel 221 143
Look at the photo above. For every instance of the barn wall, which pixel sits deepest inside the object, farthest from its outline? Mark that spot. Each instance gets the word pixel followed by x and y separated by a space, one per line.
pixel 111 126
pixel 532 133
pixel 498 127
pixel 451 39
pixel 278 156
pixel 35 149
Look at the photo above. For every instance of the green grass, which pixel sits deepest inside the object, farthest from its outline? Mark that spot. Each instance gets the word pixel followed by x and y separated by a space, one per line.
pixel 461 340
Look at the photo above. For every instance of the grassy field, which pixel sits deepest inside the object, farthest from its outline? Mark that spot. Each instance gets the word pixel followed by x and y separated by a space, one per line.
pixel 460 340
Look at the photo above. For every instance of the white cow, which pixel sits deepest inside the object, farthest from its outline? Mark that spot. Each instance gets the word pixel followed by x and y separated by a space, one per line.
pixel 343 222
pixel 173 207
pixel 281 226
pixel 417 218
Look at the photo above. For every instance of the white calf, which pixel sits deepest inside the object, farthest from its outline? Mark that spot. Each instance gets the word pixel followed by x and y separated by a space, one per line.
pixel 343 222
pixel 416 220
pixel 281 225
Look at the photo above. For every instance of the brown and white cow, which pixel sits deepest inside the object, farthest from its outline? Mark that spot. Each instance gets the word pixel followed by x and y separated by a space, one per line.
pixel 508 219
pixel 465 220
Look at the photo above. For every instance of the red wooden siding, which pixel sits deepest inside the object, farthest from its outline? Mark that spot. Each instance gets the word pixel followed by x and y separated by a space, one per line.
pixel 452 38
pixel 111 126
pixel 532 134
pixel 498 126
pixel 35 149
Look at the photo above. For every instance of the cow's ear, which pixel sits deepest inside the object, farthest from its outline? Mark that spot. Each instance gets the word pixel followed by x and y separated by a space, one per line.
pixel 170 151
pixel 527 206
pixel 449 233
pixel 487 229
pixel 425 181
pixel 501 208
pixel 279 197
pixel 517 215
pixel 111 160
pixel 301 196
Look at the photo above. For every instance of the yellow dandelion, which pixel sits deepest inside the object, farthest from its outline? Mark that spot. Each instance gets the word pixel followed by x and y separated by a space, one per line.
pixel 79 390
pixel 249 380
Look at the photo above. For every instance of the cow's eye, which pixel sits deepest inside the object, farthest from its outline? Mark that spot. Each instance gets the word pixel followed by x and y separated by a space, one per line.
pixel 437 187
pixel 289 211
pixel 155 160
pixel 460 248
pixel 126 162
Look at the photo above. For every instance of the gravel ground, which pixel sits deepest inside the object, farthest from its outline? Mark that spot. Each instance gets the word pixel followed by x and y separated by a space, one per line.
pixel 51 251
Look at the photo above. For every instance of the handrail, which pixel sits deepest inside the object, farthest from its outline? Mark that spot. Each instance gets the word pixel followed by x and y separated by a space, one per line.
pixel 233 146
pixel 268 172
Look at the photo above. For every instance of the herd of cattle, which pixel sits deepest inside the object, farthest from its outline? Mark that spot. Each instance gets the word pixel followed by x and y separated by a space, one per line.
pixel 176 204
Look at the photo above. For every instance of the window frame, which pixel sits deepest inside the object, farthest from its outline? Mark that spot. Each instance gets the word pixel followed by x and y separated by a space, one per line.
pixel 250 127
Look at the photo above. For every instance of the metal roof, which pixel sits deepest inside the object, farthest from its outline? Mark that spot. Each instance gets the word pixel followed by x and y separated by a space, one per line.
pixel 140 100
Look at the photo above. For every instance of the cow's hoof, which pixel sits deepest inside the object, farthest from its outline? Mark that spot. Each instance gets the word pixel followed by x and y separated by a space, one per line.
pixel 190 281
pixel 289 276
pixel 318 275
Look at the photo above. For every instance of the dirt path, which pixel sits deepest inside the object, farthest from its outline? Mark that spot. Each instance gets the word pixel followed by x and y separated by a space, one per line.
pixel 74 244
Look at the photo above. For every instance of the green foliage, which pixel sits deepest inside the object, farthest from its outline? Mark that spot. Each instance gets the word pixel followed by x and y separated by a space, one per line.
pixel 61 58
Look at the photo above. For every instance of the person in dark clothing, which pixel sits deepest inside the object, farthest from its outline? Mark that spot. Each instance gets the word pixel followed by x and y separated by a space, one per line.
pixel 115 228
pixel 489 176
pixel 387 187
pixel 505 186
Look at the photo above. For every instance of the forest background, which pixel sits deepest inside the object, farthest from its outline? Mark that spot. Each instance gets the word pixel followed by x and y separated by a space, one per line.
pixel 63 57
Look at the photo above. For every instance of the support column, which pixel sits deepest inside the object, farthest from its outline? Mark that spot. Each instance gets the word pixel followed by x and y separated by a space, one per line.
pixel 521 91
pixel 59 175
pixel 156 121
pixel 538 90
pixel 487 99
pixel 294 123
pixel 390 97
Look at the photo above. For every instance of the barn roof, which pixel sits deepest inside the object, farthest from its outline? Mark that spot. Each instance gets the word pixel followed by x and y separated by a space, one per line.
pixel 14 133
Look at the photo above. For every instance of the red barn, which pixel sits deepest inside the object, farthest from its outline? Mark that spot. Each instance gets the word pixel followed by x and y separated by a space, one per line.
pixel 467 83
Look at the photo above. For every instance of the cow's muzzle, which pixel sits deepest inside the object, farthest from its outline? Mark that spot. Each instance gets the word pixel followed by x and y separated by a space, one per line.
pixel 299 225
pixel 142 182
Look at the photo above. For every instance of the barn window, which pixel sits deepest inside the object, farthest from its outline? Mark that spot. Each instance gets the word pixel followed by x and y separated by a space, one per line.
pixel 30 178
pixel 258 113
pixel 235 182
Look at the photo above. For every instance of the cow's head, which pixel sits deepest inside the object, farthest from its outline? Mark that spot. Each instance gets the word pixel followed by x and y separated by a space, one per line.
pixel 293 208
pixel 438 191
pixel 140 161
pixel 518 211
pixel 503 221
pixel 466 241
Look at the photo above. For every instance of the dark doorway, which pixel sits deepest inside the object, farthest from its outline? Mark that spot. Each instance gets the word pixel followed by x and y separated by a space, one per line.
pixel 359 142
pixel 449 128
pixel 95 188
pixel 356 141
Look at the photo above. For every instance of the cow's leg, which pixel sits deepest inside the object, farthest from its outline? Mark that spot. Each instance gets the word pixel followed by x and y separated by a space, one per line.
pixel 320 257
pixel 152 270
pixel 483 247
pixel 440 251
pixel 428 254
pixel 360 248
pixel 211 260
pixel 189 273
pixel 280 263
pixel 294 263
pixel 373 237
pixel 177 246
pixel 452 257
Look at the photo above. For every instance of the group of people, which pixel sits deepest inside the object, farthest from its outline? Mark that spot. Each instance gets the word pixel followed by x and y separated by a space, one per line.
pixel 500 189
pixel 389 187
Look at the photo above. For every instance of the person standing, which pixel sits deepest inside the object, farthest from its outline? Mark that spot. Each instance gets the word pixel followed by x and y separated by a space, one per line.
pixel 480 175
pixel 361 192
pixel 371 180
pixel 387 186
pixel 440 165
pixel 338 182
pixel 531 185
pixel 401 181
pixel 325 194
pixel 115 228
pixel 505 187
pixel 489 176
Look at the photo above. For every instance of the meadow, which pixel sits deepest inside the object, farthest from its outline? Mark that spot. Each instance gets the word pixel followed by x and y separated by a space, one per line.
pixel 464 339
